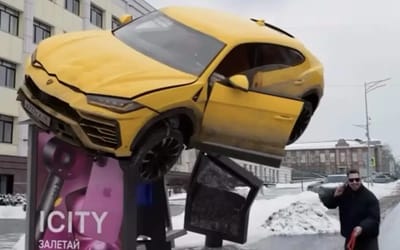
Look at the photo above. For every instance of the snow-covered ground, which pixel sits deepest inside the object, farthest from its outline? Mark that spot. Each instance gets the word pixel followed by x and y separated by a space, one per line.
pixel 10 212
pixel 390 231
pixel 301 213
pixel 293 214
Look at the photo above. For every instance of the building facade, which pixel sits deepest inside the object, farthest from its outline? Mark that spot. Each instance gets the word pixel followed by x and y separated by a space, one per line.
pixel 268 175
pixel 333 157
pixel 23 24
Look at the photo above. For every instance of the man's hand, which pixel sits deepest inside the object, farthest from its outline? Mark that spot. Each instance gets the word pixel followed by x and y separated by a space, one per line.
pixel 339 190
pixel 357 231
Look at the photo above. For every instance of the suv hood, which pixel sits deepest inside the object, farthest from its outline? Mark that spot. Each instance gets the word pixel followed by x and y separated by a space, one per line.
pixel 96 62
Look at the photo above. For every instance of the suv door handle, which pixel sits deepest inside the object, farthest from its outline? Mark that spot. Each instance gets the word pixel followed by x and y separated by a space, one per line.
pixel 283 118
pixel 298 81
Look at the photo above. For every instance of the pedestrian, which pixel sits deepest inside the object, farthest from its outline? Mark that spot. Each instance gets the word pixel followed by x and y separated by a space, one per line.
pixel 359 212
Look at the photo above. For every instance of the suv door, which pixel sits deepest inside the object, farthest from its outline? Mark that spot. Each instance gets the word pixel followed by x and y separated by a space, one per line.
pixel 248 125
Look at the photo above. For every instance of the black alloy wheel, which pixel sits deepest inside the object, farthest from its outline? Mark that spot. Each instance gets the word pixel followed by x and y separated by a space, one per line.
pixel 158 152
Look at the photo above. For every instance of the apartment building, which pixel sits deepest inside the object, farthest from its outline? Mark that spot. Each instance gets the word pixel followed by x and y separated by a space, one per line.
pixel 332 157
pixel 23 24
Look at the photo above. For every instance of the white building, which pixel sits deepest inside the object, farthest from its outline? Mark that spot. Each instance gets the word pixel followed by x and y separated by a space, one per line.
pixel 24 23
pixel 268 175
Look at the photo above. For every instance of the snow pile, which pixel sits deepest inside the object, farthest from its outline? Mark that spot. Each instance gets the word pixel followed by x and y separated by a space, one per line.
pixel 301 218
pixel 263 209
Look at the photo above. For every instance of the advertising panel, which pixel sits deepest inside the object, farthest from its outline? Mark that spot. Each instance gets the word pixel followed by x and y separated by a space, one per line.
pixel 76 198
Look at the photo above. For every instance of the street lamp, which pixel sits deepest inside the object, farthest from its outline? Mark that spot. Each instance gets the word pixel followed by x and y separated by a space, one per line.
pixel 368 87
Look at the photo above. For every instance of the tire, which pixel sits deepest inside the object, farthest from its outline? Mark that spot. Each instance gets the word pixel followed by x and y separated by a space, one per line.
pixel 157 153
pixel 302 122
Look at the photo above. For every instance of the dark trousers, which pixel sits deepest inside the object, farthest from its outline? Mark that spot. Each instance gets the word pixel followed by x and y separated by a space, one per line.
pixel 365 244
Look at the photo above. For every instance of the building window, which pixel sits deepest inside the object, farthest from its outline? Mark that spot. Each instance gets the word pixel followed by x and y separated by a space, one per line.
pixel 322 157
pixel 73 6
pixel 9 20
pixel 96 16
pixel 342 157
pixel 7 74
pixel 332 157
pixel 303 158
pixel 6 129
pixel 40 31
pixel 6 183
pixel 115 22
pixel 354 156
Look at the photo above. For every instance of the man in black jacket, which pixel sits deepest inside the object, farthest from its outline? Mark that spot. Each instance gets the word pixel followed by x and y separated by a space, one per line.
pixel 359 212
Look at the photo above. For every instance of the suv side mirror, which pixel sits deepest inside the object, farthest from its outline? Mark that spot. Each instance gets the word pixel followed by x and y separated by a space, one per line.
pixel 124 19
pixel 240 82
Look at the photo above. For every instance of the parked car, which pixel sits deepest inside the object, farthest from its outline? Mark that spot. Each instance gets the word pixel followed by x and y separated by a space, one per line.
pixel 382 179
pixel 173 79
pixel 330 182
pixel 315 185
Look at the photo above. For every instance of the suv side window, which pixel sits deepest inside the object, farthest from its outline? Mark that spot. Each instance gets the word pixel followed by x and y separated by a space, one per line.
pixel 237 61
pixel 250 58
pixel 278 55
pixel 270 58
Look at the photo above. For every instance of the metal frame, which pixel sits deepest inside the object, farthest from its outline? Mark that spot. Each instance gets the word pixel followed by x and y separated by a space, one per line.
pixel 215 238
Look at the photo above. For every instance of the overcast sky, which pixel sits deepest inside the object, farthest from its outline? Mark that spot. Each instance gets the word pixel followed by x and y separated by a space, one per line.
pixel 357 41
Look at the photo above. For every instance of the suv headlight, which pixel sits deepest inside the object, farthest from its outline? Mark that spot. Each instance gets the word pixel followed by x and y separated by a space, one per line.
pixel 116 104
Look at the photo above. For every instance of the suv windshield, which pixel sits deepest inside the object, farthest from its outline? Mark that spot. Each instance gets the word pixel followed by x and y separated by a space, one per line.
pixel 335 178
pixel 170 42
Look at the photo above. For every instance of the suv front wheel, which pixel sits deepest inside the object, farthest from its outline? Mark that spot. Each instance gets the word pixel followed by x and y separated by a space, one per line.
pixel 158 152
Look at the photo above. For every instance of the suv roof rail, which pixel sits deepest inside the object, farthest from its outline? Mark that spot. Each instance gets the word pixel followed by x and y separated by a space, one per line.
pixel 271 26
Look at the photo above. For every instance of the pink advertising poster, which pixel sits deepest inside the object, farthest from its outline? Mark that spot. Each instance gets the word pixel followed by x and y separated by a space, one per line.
pixel 78 197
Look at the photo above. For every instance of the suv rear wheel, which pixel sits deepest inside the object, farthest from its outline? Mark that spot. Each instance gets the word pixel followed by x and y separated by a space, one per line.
pixel 302 122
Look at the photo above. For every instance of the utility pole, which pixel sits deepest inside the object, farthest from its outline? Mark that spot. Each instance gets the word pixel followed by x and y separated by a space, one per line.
pixel 368 87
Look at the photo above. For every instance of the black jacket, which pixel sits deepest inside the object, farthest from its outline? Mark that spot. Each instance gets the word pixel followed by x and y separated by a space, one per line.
pixel 356 208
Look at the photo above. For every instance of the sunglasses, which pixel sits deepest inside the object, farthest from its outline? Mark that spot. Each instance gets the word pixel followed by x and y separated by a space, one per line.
pixel 354 180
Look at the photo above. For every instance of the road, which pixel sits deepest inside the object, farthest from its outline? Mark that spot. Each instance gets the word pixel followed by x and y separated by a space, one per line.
pixel 305 242
pixel 11 230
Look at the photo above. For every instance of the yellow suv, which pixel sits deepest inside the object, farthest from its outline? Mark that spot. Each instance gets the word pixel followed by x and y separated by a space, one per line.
pixel 174 78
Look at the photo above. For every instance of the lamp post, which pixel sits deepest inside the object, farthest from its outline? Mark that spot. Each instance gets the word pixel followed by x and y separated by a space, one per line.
pixel 368 87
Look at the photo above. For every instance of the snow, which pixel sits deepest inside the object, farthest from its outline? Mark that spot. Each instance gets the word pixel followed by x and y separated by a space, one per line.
pixel 301 213
pixel 291 214
pixel 20 244
pixel 179 196
pixel 390 230
pixel 11 212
